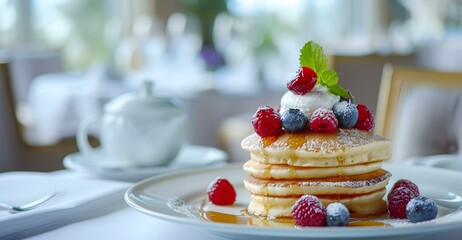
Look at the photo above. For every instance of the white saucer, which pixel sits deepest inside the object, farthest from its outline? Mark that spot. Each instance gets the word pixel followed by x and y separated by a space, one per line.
pixel 190 156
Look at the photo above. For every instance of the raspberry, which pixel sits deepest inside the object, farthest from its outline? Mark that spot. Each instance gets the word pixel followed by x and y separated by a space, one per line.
pixel 398 200
pixel 304 81
pixel 407 184
pixel 266 122
pixel 323 120
pixel 294 120
pixel 221 192
pixel 308 211
pixel 421 209
pixel 365 118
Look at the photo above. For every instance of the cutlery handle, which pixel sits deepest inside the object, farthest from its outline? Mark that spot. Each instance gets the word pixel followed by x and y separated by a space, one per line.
pixel 82 135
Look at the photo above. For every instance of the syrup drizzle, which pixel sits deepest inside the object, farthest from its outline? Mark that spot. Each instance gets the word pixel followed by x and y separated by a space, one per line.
pixel 313 142
pixel 246 218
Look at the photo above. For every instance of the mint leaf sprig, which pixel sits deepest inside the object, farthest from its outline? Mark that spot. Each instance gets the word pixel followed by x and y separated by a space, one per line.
pixel 312 56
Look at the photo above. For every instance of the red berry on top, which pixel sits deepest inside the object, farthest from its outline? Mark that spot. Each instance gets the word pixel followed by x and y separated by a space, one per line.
pixel 308 211
pixel 407 184
pixel 323 120
pixel 221 192
pixel 398 199
pixel 266 122
pixel 304 81
pixel 365 118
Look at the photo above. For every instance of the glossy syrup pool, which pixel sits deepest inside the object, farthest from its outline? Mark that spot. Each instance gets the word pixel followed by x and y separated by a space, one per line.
pixel 210 213
pixel 197 206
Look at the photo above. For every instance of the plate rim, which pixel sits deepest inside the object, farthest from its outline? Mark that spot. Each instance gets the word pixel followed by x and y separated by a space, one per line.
pixel 312 232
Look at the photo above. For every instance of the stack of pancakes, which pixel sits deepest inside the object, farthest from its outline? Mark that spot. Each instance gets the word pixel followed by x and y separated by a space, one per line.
pixel 344 167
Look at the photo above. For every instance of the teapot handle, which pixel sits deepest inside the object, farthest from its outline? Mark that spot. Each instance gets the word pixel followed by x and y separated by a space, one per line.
pixel 82 135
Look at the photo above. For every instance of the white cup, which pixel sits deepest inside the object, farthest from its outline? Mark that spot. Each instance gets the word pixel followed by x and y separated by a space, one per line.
pixel 136 130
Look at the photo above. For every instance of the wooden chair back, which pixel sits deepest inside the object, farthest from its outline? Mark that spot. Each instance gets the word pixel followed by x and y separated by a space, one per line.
pixel 395 81
pixel 15 152
pixel 362 74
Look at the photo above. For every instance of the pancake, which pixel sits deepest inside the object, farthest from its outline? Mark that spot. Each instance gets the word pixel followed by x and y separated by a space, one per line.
pixel 308 149
pixel 280 171
pixel 348 185
pixel 362 204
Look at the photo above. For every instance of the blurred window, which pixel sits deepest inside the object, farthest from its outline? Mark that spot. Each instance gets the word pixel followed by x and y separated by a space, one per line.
pixel 82 29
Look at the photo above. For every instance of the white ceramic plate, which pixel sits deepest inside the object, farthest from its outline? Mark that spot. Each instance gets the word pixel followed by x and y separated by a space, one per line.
pixel 447 161
pixel 151 197
pixel 190 156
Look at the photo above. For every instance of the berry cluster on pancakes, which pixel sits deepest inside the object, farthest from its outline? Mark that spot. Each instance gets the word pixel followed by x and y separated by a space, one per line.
pixel 317 142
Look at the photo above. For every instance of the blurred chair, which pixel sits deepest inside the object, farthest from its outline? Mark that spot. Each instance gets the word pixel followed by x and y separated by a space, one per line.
pixel 232 119
pixel 17 154
pixel 231 132
pixel 362 74
pixel 25 65
pixel 421 110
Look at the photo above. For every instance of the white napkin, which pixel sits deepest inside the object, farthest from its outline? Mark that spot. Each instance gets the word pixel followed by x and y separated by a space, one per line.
pixel 79 198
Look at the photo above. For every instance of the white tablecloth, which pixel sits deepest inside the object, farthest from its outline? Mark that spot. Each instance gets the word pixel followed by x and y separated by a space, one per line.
pixel 126 223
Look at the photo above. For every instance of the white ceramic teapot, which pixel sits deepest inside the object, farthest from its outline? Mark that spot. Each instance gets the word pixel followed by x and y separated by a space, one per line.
pixel 136 129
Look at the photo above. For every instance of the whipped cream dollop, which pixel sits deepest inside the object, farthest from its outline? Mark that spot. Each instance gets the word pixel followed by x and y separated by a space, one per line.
pixel 318 97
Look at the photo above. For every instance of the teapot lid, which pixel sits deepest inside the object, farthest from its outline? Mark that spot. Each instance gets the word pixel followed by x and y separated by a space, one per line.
pixel 141 101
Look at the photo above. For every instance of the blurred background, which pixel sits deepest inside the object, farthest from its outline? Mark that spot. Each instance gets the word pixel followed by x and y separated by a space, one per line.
pixel 222 58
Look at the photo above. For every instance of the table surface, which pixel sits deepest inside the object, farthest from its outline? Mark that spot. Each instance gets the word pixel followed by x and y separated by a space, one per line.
pixel 125 223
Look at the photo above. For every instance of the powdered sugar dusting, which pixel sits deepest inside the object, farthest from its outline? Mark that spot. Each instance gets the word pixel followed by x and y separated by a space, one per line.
pixel 335 209
pixel 311 198
pixel 349 184
pixel 180 206
pixel 396 222
pixel 325 114
pixel 212 184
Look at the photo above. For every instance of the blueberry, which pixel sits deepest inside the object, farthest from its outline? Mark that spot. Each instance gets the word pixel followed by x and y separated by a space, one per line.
pixel 346 114
pixel 421 209
pixel 337 215
pixel 294 120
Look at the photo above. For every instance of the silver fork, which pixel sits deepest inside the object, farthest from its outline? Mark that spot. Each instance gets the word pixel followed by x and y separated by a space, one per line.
pixel 29 206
